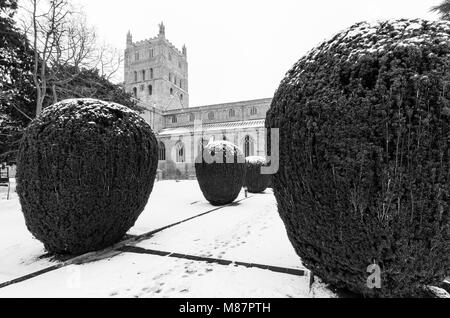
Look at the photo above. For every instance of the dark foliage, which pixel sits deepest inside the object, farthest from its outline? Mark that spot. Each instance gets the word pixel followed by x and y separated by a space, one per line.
pixel 222 180
pixel 16 88
pixel 88 83
pixel 254 180
pixel 364 156
pixel 85 172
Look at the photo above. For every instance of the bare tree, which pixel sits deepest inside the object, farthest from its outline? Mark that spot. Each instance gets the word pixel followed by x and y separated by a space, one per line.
pixel 63 45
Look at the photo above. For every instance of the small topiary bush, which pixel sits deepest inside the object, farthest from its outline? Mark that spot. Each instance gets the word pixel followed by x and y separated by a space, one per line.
pixel 254 180
pixel 85 172
pixel 364 156
pixel 220 171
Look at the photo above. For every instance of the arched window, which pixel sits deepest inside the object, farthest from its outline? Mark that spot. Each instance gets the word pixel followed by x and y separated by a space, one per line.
pixel 181 86
pixel 151 73
pixel 248 146
pixel 150 89
pixel 136 56
pixel 180 155
pixel 171 91
pixel 135 76
pixel 143 75
pixel 141 88
pixel 211 115
pixel 170 77
pixel 231 113
pixel 191 117
pixel 224 137
pixel 174 119
pixel 253 111
pixel 134 92
pixel 161 151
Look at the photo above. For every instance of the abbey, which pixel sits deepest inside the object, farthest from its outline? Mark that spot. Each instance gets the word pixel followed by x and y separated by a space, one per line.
pixel 156 74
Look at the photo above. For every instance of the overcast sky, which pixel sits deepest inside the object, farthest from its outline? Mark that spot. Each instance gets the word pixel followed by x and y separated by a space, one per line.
pixel 240 49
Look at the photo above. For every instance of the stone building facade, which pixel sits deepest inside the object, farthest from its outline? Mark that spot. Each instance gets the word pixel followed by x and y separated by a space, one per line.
pixel 156 73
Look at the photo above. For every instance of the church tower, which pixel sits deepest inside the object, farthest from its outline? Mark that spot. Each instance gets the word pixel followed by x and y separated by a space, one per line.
pixel 156 72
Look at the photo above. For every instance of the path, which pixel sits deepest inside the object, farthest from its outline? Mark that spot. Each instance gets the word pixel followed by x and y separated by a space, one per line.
pixel 178 248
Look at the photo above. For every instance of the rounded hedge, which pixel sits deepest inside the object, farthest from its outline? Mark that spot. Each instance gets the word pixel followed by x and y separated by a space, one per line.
pixel 84 174
pixel 254 180
pixel 364 156
pixel 220 171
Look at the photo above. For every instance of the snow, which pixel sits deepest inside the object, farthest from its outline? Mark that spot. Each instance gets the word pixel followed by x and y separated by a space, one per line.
pixel 256 159
pixel 379 37
pixel 249 231
pixel 145 276
pixel 88 108
pixel 221 145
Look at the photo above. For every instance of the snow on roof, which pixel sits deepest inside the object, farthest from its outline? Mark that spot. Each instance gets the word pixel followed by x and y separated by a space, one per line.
pixel 213 127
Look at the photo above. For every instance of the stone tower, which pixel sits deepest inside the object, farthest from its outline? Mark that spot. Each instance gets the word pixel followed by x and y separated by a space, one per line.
pixel 156 72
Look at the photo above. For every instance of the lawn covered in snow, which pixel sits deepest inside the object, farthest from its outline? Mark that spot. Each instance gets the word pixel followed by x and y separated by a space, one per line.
pixel 249 231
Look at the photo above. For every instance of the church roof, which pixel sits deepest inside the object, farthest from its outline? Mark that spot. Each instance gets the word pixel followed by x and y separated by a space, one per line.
pixel 259 123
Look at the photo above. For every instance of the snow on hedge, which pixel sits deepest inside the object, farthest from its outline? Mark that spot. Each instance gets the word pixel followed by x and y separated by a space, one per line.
pixel 256 160
pixel 375 38
pixel 222 145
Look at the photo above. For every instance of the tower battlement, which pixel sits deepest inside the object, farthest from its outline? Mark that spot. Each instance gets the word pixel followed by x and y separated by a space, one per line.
pixel 156 72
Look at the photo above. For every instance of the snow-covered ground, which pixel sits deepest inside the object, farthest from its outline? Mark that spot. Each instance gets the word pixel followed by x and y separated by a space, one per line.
pixel 249 231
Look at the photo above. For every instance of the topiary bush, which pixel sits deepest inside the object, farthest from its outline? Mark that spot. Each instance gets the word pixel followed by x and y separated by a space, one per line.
pixel 85 172
pixel 254 180
pixel 364 177
pixel 220 171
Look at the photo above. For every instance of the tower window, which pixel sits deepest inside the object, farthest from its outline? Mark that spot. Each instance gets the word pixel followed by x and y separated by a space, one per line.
pixel 134 92
pixel 171 91
pixel 150 54
pixel 143 75
pixel 181 85
pixel 151 73
pixel 136 56
pixel 170 56
pixel 231 113
pixel 170 77
pixel 141 88
pixel 181 96
pixel 135 76
pixel 175 80
pixel 179 64
pixel 211 115
pixel 150 89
